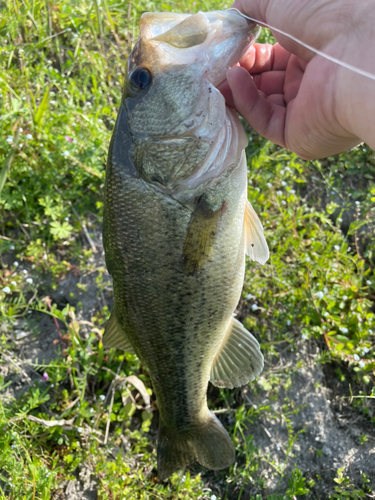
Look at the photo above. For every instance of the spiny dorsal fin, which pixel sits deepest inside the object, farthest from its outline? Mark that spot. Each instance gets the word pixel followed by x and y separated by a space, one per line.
pixel 115 336
pixel 239 359
pixel 200 236
pixel 255 243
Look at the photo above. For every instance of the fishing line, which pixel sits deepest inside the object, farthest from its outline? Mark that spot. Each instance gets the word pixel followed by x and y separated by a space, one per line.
pixel 313 49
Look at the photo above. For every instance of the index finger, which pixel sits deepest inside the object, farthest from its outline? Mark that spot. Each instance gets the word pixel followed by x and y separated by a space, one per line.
pixel 262 57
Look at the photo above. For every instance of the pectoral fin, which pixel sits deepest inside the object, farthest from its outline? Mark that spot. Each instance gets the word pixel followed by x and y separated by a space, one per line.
pixel 200 236
pixel 255 243
pixel 115 336
pixel 239 359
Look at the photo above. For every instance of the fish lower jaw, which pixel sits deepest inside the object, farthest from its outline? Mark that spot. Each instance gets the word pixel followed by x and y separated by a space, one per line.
pixel 225 151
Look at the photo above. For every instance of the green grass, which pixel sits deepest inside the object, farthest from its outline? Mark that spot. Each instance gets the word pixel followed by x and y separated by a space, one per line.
pixel 62 72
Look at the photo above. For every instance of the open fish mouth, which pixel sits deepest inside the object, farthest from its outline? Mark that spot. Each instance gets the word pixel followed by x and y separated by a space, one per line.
pixel 213 40
pixel 183 134
pixel 177 225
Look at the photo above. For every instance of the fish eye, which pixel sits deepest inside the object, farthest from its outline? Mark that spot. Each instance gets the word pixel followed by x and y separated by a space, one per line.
pixel 141 77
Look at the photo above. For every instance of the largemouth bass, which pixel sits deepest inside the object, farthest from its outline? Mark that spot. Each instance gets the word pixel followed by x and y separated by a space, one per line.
pixel 177 225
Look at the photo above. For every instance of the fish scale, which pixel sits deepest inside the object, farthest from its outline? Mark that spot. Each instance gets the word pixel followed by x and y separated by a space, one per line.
pixel 176 251
pixel 151 285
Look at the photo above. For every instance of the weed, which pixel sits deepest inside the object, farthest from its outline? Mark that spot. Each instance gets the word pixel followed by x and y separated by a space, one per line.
pixel 63 66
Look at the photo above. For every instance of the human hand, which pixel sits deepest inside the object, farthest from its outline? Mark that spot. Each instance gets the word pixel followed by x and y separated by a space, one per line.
pixel 297 99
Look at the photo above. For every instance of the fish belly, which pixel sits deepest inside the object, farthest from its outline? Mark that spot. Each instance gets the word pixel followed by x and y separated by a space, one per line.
pixel 175 322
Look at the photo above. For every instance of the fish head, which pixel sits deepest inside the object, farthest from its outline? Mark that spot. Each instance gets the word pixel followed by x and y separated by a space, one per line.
pixel 181 131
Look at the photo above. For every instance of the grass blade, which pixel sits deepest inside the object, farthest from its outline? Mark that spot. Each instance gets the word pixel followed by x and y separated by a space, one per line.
pixel 8 162
pixel 42 107
pixel 99 18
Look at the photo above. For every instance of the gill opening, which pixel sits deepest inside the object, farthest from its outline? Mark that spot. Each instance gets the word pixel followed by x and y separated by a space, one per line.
pixel 307 46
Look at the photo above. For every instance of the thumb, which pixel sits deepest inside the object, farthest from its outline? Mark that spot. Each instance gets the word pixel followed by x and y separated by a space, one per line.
pixel 267 118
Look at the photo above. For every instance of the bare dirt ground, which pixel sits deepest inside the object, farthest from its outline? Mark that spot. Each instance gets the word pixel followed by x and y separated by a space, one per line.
pixel 329 427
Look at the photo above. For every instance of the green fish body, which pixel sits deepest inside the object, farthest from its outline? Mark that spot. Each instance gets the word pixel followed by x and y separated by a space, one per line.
pixel 177 224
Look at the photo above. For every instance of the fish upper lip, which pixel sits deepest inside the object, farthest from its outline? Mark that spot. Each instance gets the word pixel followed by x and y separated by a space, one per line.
pixel 222 26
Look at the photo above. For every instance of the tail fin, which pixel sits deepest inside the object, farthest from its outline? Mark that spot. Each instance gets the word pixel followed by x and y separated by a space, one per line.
pixel 174 453
pixel 209 444
pixel 212 446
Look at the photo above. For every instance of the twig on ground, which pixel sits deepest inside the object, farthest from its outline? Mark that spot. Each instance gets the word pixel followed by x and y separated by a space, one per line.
pixel 109 416
pixel 266 431
pixel 22 227
pixel 92 431
pixel 65 424
pixel 223 410
pixel 53 36
pixel 88 237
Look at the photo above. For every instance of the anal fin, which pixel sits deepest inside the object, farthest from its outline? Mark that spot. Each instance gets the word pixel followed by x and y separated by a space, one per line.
pixel 115 336
pixel 255 243
pixel 239 359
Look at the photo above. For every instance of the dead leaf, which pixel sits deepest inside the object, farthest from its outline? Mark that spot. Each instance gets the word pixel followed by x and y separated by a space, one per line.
pixel 140 386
